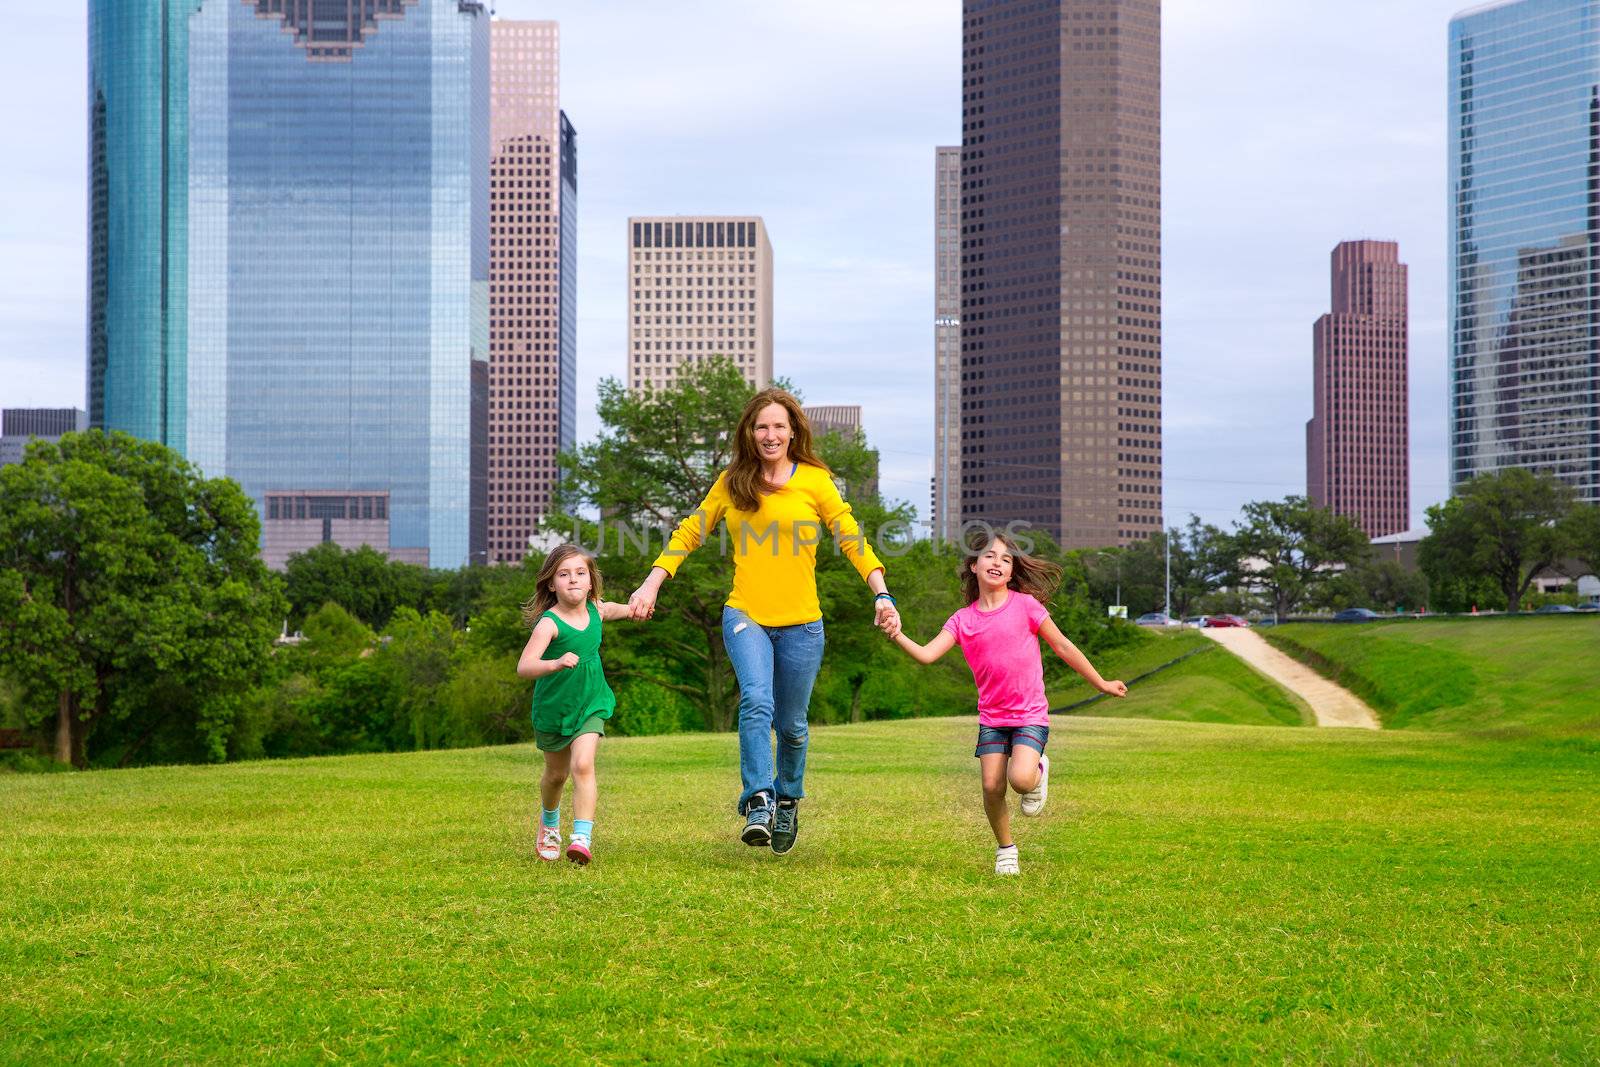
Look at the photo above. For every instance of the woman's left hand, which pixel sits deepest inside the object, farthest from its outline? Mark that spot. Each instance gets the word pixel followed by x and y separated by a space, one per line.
pixel 888 618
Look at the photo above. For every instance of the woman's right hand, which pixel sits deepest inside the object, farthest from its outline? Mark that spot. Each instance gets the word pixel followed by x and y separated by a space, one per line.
pixel 567 661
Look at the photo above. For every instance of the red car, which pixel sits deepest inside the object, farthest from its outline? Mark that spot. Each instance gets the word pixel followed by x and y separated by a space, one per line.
pixel 1225 620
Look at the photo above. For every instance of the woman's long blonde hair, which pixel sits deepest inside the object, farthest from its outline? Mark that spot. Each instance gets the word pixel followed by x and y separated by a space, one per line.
pixel 545 597
pixel 1039 578
pixel 746 483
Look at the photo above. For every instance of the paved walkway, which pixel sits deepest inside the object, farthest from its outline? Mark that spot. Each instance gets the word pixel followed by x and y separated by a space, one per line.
pixel 1332 704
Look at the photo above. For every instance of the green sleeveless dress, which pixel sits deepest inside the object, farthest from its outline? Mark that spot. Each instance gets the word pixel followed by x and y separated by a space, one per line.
pixel 576 701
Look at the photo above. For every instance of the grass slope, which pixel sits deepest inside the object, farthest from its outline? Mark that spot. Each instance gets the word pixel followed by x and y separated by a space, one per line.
pixel 1193 893
pixel 1211 686
pixel 1499 673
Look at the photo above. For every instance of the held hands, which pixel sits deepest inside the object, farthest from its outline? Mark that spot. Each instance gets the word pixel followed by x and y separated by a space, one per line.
pixel 1114 689
pixel 887 617
pixel 642 604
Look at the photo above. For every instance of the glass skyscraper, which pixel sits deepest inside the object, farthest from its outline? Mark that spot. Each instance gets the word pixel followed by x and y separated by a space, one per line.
pixel 289 246
pixel 1524 233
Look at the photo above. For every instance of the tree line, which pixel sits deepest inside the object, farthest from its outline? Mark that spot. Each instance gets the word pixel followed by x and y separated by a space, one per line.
pixel 138 624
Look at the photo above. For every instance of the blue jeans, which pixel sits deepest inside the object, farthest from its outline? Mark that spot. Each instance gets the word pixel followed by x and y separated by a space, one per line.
pixel 776 666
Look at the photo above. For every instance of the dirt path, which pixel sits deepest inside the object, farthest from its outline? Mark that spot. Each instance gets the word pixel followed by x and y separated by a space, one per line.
pixel 1332 704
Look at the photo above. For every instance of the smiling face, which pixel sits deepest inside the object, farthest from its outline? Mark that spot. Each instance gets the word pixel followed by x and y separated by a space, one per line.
pixel 571 582
pixel 993 566
pixel 772 433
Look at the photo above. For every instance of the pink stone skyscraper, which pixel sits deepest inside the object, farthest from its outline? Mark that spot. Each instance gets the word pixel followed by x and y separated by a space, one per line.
pixel 532 386
pixel 1358 440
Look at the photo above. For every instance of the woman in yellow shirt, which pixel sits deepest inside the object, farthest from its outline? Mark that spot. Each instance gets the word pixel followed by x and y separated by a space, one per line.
pixel 777 498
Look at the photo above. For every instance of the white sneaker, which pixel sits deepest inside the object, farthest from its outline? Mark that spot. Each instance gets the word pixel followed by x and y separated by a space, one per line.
pixel 1005 860
pixel 1033 801
pixel 549 843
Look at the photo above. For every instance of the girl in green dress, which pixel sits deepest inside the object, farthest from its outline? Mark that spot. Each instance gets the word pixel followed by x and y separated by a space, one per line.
pixel 571 700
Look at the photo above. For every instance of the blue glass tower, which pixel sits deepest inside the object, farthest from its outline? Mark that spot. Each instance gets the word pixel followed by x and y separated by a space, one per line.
pixel 289 245
pixel 1525 234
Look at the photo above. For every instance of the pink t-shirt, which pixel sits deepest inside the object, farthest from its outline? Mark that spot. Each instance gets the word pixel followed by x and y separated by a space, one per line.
pixel 1002 648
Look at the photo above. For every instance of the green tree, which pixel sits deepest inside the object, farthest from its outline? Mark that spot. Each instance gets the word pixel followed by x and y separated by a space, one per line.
pixel 1203 559
pixel 656 456
pixel 1290 548
pixel 132 597
pixel 1505 526
pixel 847 602
pixel 361 580
pixel 421 655
pixel 1583 535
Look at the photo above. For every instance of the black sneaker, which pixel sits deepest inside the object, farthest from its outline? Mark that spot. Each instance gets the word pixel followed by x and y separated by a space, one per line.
pixel 757 821
pixel 785 826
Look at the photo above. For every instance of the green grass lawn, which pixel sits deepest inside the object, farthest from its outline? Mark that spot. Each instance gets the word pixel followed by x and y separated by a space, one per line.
pixel 1193 893
pixel 1497 673
pixel 1211 686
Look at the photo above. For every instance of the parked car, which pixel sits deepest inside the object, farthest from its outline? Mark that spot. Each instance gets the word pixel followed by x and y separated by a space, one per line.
pixel 1196 622
pixel 1153 618
pixel 1590 606
pixel 1225 620
pixel 1357 615
pixel 1555 609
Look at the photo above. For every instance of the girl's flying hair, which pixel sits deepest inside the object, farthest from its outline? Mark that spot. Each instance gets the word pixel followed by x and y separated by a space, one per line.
pixel 545 598
pixel 745 480
pixel 1039 578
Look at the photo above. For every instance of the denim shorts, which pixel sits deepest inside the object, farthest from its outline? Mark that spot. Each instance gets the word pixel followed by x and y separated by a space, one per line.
pixel 1000 740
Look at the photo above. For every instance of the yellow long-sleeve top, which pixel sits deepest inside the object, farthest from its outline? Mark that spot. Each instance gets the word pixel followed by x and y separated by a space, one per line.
pixel 775 547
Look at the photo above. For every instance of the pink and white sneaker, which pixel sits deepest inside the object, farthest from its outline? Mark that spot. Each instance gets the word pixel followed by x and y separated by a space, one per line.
pixel 578 851
pixel 549 843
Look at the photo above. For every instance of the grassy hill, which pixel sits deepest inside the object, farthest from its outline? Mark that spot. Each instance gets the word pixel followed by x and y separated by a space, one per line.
pixel 1211 685
pixel 1193 892
pixel 1494 673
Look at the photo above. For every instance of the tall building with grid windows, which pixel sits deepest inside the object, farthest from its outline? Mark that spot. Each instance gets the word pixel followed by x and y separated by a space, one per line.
pixel 1061 267
pixel 1525 241
pixel 533 257
pixel 698 286
pixel 1358 440
pixel 18 426
pixel 945 517
pixel 288 248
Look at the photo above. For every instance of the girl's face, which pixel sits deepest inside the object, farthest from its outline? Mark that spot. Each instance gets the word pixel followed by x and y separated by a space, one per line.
pixel 993 566
pixel 572 583
pixel 772 433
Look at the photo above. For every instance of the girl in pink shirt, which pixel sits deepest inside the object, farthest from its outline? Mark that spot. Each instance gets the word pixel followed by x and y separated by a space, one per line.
pixel 999 632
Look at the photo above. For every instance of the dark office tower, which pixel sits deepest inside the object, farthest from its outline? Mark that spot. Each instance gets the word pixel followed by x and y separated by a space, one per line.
pixel 1358 439
pixel 945 517
pixel 533 392
pixel 1061 267
pixel 1525 241
pixel 288 255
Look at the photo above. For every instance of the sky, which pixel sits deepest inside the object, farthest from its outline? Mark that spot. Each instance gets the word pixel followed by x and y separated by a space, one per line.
pixel 1287 128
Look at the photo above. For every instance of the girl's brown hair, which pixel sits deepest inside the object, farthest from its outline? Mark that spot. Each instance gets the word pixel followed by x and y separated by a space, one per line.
pixel 545 598
pixel 746 483
pixel 1039 578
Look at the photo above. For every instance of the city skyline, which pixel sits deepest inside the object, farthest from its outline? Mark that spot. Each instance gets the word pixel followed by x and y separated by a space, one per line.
pixel 848 203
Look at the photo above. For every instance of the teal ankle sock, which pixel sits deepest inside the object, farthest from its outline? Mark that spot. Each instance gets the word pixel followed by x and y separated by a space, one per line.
pixel 583 828
pixel 549 818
